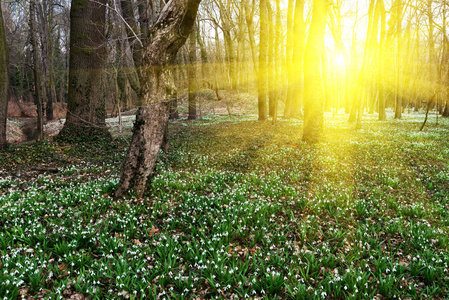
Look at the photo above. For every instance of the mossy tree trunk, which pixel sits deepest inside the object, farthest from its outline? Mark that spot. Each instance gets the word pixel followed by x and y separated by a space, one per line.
pixel 4 83
pixel 86 99
pixel 165 37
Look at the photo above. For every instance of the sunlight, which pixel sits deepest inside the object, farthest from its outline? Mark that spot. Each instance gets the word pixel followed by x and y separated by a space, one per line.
pixel 339 60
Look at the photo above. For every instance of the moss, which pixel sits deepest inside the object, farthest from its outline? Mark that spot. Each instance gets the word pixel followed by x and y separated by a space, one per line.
pixel 83 50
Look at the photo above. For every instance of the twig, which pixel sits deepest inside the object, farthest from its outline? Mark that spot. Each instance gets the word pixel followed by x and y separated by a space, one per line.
pixel 427 111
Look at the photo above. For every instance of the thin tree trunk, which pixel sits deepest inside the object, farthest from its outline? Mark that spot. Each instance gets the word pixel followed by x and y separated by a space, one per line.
pixel 298 56
pixel 249 23
pixel 398 108
pixel 4 83
pixel 289 58
pixel 37 82
pixel 263 61
pixel 270 65
pixel 381 65
pixel 277 60
pixel 48 88
pixel 192 75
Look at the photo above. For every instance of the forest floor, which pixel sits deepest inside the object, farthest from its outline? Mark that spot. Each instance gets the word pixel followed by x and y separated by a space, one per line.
pixel 236 209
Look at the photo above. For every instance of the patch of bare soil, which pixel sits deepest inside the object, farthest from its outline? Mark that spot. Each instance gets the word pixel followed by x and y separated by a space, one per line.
pixel 20 130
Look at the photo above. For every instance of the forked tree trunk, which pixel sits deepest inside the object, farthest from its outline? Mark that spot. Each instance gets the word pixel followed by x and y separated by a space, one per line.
pixel 4 83
pixel 164 40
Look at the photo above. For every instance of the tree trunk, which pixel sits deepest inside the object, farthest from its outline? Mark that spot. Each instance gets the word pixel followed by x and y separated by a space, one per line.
pixel 313 81
pixel 398 106
pixel 381 65
pixel 278 60
pixel 4 83
pixel 298 53
pixel 225 17
pixel 203 54
pixel 192 75
pixel 167 35
pixel 241 49
pixel 289 58
pixel 263 62
pixel 271 67
pixel 134 74
pixel 48 88
pixel 148 137
pixel 364 79
pixel 249 23
pixel 86 101
pixel 37 81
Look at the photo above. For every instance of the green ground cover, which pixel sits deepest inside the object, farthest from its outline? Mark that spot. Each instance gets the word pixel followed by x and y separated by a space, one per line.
pixel 237 209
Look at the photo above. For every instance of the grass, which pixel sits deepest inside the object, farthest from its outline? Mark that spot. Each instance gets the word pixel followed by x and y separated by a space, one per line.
pixel 237 209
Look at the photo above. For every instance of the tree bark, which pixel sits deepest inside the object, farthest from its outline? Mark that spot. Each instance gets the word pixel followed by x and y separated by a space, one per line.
pixel 263 62
pixel 313 81
pixel 251 36
pixel 86 100
pixel 167 35
pixel 271 66
pixel 298 56
pixel 278 60
pixel 37 81
pixel 381 65
pixel 48 88
pixel 192 75
pixel 4 83
pixel 398 13
pixel 289 58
